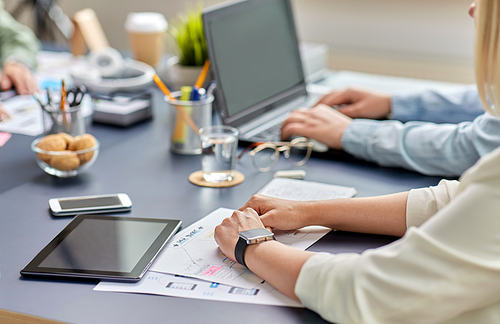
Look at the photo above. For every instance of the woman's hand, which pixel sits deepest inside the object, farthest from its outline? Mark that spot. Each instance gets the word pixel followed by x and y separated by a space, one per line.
pixel 359 103
pixel 278 213
pixel 226 234
pixel 321 123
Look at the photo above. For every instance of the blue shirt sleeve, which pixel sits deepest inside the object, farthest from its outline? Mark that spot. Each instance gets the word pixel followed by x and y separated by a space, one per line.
pixel 453 105
pixel 428 148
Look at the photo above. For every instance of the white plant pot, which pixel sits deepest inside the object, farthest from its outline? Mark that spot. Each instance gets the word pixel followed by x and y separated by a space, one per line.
pixel 176 75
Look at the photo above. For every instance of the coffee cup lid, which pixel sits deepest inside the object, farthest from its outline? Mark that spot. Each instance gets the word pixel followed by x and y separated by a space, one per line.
pixel 145 22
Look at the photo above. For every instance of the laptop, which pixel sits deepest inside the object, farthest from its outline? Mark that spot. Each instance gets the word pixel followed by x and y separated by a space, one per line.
pixel 255 59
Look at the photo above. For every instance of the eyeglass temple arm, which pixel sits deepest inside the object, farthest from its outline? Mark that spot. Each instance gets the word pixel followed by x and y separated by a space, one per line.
pixel 248 148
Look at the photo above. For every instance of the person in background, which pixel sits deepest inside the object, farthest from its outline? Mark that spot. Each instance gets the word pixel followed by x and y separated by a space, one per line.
pixel 432 132
pixel 444 269
pixel 18 49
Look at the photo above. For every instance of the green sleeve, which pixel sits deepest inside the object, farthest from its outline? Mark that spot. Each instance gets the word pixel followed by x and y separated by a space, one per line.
pixel 17 42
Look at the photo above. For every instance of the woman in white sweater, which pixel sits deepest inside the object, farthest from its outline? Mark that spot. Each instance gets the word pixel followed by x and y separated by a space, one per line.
pixel 444 269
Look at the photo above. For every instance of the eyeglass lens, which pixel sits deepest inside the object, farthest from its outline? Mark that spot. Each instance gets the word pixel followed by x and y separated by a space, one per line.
pixel 265 158
pixel 298 153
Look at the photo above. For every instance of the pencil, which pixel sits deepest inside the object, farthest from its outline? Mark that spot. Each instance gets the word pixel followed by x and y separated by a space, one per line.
pixel 181 112
pixel 63 107
pixel 3 114
pixel 63 97
pixel 203 75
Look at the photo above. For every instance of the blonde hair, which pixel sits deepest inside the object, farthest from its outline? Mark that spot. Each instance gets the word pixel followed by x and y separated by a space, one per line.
pixel 487 57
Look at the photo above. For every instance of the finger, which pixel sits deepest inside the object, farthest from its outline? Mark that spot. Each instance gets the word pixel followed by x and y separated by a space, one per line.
pixel 20 84
pixel 351 110
pixel 31 84
pixel 337 98
pixel 5 83
pixel 300 129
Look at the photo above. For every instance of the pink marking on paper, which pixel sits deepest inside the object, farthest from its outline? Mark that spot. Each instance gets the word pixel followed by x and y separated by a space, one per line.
pixel 211 271
pixel 4 137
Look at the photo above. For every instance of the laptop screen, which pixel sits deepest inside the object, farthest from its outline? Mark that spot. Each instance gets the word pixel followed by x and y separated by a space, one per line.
pixel 254 54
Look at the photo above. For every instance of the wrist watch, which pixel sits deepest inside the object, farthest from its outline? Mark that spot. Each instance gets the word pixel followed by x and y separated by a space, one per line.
pixel 246 238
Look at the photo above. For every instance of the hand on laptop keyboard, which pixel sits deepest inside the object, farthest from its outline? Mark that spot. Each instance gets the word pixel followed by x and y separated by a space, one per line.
pixel 321 123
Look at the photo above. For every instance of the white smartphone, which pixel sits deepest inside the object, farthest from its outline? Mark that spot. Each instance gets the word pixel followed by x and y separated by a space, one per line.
pixel 90 204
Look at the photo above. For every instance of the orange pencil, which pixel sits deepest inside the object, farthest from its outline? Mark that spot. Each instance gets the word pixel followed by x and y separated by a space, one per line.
pixel 181 112
pixel 63 97
pixel 203 75
pixel 63 107
pixel 195 95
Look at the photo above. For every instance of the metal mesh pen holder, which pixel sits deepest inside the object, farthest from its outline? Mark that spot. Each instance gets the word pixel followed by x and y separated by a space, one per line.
pixel 184 139
pixel 69 121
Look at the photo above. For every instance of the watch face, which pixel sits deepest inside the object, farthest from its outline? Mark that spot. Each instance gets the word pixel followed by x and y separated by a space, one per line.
pixel 256 235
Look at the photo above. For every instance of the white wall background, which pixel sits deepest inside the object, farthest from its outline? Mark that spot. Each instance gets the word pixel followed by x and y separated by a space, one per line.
pixel 418 38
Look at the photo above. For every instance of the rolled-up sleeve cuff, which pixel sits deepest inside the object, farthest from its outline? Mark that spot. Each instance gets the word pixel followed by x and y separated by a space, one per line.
pixel 405 107
pixel 419 207
pixel 425 202
pixel 357 137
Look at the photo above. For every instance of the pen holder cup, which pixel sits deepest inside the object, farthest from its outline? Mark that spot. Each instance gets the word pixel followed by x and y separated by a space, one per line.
pixel 184 139
pixel 68 121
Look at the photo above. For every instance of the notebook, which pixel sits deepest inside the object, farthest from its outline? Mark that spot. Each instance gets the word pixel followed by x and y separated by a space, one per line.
pixel 254 53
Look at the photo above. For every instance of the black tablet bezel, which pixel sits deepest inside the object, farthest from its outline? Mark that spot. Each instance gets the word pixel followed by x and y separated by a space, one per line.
pixel 32 269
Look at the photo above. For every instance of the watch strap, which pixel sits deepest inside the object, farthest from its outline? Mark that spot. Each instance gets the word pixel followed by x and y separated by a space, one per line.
pixel 239 251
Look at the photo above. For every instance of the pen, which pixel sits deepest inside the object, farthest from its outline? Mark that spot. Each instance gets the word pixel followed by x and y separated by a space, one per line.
pixel 181 112
pixel 195 96
pixel 49 97
pixel 211 88
pixel 202 93
pixel 44 108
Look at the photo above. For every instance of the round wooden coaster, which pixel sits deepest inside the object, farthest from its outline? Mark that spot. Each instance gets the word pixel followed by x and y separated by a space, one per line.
pixel 197 179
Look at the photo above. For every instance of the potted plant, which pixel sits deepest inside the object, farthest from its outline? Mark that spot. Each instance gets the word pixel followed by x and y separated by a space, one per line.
pixel 186 40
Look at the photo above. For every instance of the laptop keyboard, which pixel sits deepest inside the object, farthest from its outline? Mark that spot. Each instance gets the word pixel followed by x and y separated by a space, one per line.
pixel 273 133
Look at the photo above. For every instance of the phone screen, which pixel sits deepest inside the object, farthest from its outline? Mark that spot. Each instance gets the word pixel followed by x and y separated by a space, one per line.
pixel 90 202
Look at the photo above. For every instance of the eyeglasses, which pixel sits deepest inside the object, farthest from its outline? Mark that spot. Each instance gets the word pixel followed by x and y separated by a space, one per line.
pixel 265 155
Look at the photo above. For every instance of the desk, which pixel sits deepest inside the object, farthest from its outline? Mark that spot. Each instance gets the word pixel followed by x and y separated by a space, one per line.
pixel 137 161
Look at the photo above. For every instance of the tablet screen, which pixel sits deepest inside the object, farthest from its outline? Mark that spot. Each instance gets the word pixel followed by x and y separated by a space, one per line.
pixel 103 247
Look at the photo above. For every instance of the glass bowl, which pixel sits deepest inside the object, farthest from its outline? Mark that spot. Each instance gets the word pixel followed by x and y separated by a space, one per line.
pixel 66 163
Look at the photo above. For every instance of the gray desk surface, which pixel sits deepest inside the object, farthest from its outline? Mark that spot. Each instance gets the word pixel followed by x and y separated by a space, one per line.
pixel 137 161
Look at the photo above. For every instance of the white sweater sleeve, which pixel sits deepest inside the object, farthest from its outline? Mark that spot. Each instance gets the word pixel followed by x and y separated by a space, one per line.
pixel 444 270
pixel 425 202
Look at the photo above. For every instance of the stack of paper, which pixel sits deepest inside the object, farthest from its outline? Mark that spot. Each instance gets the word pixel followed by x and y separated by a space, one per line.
pixel 192 266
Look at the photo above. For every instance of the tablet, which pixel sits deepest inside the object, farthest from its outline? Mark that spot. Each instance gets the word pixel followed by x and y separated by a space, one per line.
pixel 103 247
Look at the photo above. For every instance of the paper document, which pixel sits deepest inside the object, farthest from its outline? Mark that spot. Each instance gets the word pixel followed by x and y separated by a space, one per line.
pixel 305 190
pixel 194 253
pixel 206 273
pixel 177 286
pixel 25 113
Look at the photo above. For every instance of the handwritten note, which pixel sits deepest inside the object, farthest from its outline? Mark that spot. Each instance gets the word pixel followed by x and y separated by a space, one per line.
pixel 305 190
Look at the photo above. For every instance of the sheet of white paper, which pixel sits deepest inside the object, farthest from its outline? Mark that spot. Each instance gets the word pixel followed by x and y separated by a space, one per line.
pixel 193 252
pixel 305 190
pixel 25 116
pixel 171 285
pixel 25 113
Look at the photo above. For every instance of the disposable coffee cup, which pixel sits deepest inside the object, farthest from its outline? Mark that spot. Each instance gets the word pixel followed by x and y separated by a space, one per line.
pixel 146 31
